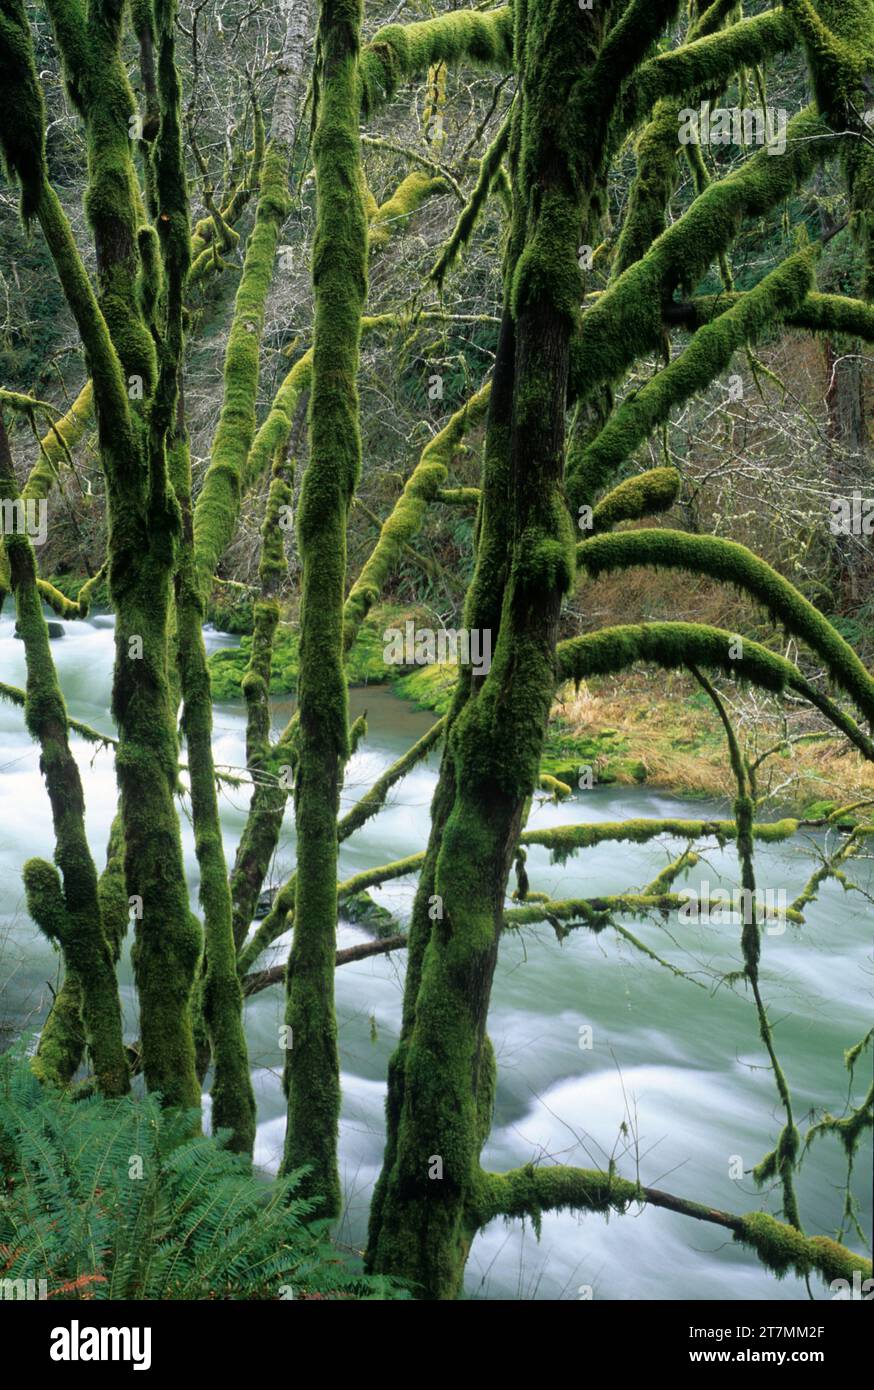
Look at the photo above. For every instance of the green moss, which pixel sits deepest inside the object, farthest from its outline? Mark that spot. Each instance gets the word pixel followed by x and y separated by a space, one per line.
pixel 565 753
pixel 487 174
pixel 143 528
pixel 407 198
pixel 218 503
pixel 530 1191
pixel 786 1251
pixel 559 791
pixel 646 494
pixel 22 136
pixel 62 1039
pixel 403 52
pixel 563 841
pixel 408 513
pixel 626 322
pixel 273 434
pixel 709 353
pixel 419 1223
pixel 365 665
pixel 55 446
pixel 361 909
pixel 230 609
pixel 65 905
pixel 429 687
pixel 312 1073
pixel 733 563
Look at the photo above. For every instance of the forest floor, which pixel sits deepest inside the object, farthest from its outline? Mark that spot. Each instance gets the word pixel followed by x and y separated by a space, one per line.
pixel 661 730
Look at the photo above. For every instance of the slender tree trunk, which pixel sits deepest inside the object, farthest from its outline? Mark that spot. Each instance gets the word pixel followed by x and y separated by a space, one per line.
pixel 312 1069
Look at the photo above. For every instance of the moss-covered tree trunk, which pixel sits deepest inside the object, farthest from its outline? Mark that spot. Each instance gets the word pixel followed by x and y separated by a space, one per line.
pixel 424 1228
pixel 312 1073
pixel 64 901
pixel 134 399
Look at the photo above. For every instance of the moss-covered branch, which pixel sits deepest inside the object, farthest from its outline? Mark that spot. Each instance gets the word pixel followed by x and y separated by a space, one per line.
pixel 408 513
pixel 218 503
pixel 818 313
pixel 564 840
pixel 411 194
pixel 646 494
pixel 261 832
pixel 625 322
pixel 276 921
pixel 709 353
pixel 403 52
pixel 56 444
pixel 707 63
pixel 489 166
pixel 732 563
pixel 531 1191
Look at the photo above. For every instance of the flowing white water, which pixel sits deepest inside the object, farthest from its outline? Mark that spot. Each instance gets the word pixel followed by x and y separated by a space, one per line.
pixel 680 1067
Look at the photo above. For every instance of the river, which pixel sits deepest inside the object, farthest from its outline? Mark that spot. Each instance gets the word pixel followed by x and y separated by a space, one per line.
pixel 679 1066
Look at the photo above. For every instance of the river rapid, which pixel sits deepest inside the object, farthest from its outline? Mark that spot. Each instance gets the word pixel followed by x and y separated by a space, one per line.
pixel 601 1051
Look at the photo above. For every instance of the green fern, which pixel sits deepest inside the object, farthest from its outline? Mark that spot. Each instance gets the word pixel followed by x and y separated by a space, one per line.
pixel 116 1200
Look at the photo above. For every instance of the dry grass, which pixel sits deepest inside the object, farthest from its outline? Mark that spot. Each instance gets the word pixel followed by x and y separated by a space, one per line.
pixel 680 741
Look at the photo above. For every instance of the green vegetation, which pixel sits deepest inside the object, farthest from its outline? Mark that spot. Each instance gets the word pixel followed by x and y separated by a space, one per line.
pixel 368 325
pixel 365 664
pixel 115 1200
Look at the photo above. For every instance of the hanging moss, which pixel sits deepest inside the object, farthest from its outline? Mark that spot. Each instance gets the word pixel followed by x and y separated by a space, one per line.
pixel 732 563
pixel 840 50
pixel 786 1251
